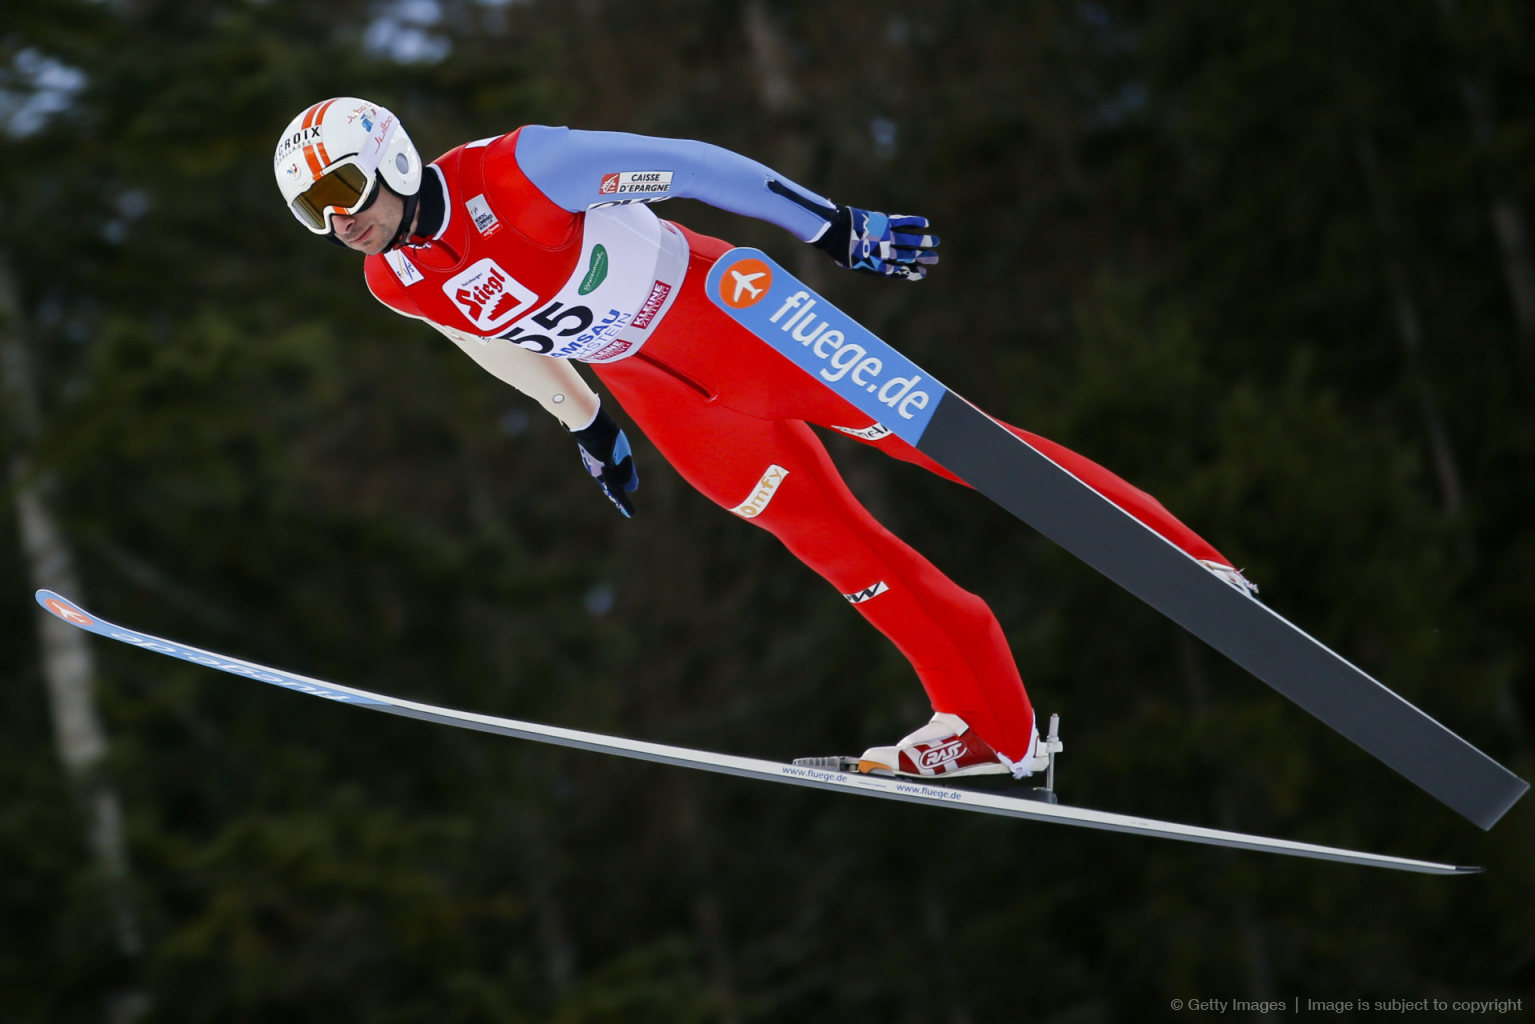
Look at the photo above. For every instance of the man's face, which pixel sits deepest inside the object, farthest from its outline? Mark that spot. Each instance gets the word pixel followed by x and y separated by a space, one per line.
pixel 372 229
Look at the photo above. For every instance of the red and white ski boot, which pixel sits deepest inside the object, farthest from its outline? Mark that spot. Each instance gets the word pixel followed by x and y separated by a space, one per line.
pixel 947 749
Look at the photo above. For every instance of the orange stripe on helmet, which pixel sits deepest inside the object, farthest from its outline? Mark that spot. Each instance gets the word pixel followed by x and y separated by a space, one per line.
pixel 315 154
pixel 316 113
pixel 316 165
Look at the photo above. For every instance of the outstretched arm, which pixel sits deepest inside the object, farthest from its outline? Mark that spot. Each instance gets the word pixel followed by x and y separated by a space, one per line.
pixel 581 169
pixel 554 384
pixel 559 387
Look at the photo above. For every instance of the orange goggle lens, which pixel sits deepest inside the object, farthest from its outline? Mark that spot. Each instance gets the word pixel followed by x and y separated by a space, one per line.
pixel 342 189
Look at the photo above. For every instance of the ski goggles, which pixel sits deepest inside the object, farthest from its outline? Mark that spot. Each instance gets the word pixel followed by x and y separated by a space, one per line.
pixel 344 188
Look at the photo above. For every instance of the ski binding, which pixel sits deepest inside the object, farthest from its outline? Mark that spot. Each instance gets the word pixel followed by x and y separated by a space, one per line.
pixel 1044 761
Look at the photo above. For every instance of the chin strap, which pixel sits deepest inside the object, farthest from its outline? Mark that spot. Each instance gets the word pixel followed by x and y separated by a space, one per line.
pixel 400 236
pixel 411 202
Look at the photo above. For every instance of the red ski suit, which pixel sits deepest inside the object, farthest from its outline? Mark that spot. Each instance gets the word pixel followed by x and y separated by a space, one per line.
pixel 732 416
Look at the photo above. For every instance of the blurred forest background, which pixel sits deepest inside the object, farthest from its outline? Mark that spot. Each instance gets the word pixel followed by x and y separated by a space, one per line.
pixel 1270 260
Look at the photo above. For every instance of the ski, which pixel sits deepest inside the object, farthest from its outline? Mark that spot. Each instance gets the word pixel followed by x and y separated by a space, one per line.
pixel 843 355
pixel 728 764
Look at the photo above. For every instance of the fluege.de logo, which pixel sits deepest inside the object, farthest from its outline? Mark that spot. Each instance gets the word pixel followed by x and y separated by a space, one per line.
pixel 825 342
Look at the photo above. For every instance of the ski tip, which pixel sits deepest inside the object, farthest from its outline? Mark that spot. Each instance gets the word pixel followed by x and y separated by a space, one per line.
pixel 64 608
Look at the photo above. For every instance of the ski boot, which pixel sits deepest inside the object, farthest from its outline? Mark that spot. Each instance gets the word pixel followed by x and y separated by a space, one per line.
pixel 946 750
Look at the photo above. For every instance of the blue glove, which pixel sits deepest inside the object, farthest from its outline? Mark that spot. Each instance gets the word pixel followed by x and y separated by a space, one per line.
pixel 895 246
pixel 605 451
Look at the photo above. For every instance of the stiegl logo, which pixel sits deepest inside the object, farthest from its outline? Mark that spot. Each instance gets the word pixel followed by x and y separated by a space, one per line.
pixel 487 289
pixel 768 486
pixel 489 296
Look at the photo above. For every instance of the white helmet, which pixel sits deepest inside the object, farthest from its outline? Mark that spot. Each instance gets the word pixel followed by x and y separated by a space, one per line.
pixel 330 158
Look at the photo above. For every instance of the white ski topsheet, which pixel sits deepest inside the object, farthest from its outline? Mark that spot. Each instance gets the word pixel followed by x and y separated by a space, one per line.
pixel 729 764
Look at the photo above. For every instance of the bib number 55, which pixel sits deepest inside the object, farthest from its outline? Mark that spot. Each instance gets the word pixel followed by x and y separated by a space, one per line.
pixel 550 319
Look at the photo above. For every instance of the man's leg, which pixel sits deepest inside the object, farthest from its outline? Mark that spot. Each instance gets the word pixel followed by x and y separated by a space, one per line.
pixel 1145 508
pixel 778 475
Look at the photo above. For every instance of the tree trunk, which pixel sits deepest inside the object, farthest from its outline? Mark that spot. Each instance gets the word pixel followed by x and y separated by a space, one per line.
pixel 1410 330
pixel 1508 220
pixel 66 656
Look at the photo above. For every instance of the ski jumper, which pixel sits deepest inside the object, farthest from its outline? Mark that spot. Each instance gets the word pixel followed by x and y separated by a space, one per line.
pixel 541 241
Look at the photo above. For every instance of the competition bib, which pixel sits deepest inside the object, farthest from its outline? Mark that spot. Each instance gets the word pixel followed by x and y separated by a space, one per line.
pixel 630 269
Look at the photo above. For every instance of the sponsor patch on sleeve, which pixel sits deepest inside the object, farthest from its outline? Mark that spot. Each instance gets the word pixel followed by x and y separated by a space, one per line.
pixel 484 217
pixel 403 268
pixel 619 183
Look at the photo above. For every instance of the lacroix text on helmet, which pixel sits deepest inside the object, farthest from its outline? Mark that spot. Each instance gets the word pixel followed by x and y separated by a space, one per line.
pixel 294 142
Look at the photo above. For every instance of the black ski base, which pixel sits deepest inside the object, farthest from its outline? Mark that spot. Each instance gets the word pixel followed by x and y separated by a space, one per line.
pixel 991 459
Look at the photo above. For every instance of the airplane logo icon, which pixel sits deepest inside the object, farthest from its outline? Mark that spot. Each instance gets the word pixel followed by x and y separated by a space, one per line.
pixel 66 611
pixel 745 283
